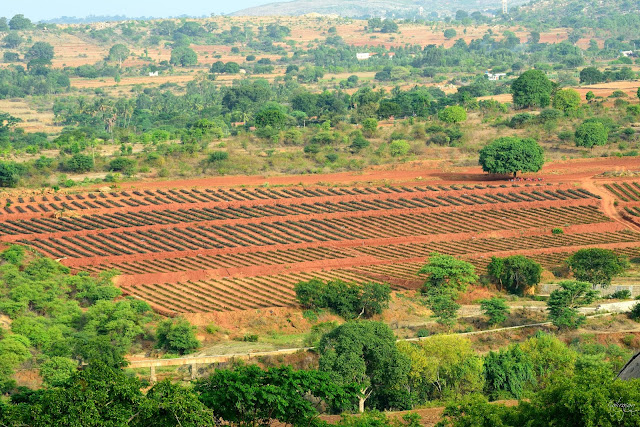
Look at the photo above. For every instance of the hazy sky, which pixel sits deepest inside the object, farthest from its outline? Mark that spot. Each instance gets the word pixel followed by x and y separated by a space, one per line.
pixel 40 9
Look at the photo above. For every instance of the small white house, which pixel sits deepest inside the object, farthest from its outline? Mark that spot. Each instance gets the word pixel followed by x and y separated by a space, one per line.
pixel 496 76
pixel 361 56
pixel 153 74
pixel 627 53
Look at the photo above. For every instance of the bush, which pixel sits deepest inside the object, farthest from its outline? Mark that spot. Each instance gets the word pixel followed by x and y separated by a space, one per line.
pixel 79 163
pixel 621 294
pixel 177 335
pixel 635 312
pixel 453 114
pixel 250 338
pixel 399 148
pixel 123 164
pixel 218 156
pixel 557 230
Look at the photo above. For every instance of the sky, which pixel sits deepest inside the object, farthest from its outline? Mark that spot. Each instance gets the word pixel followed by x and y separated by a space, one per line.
pixel 47 9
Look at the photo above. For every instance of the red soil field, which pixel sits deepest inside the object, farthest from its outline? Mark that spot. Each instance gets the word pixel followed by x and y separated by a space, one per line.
pixel 208 245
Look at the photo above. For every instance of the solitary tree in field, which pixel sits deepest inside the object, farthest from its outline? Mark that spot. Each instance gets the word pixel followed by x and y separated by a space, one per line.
pixel 495 309
pixel 450 33
pixel 532 89
pixel 590 134
pixel 119 53
pixel 183 56
pixel 597 266
pixel 510 155
pixel 40 52
pixel 517 273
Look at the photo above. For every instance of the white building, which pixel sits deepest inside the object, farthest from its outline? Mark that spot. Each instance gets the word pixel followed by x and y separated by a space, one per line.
pixel 361 56
pixel 496 76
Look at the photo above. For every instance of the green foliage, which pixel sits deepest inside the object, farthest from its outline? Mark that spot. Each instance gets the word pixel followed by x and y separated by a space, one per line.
pixel 119 52
pixel 40 51
pixel 13 255
pixel 399 147
pixel 443 367
pixel 177 336
pixel 566 100
pixel 563 303
pixel 549 356
pixel 446 271
pixel 590 134
pixel 248 395
pixel 183 56
pixel 124 165
pixel 167 404
pixel 509 155
pixel 635 312
pixel 532 89
pixel 591 75
pixel 453 114
pixel 450 33
pixel 218 156
pixel 9 174
pixel 508 373
pixel 516 273
pixel 78 163
pixel 557 231
pixel 495 309
pixel 365 353
pixel 348 300
pixel 19 22
pixel 597 266
pixel 57 371
pixel 370 126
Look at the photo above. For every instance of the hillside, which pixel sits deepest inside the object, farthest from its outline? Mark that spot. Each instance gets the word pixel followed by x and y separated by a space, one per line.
pixel 367 9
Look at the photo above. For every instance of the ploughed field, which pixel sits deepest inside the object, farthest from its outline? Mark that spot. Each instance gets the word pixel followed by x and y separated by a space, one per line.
pixel 192 250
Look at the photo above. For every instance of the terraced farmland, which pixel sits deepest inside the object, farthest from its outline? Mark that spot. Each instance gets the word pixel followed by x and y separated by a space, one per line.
pixel 197 250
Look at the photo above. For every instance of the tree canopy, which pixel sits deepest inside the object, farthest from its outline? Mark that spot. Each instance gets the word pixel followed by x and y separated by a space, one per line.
pixel 510 155
pixel 597 266
pixel 532 90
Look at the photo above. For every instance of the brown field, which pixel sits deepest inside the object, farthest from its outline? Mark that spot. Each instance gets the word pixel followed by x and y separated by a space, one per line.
pixel 208 245
pixel 32 120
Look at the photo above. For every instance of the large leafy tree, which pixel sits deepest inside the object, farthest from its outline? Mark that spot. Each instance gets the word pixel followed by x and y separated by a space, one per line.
pixel 532 90
pixel 517 273
pixel 590 134
pixel 563 303
pixel 495 309
pixel 177 336
pixel 41 52
pixel 453 114
pixel 250 396
pixel 597 266
pixel 183 56
pixel 365 353
pixel 119 52
pixel 510 154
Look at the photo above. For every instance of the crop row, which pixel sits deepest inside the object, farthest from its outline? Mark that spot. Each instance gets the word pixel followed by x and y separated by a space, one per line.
pixel 308 231
pixel 212 262
pixel 489 245
pixel 154 217
pixel 625 191
pixel 231 294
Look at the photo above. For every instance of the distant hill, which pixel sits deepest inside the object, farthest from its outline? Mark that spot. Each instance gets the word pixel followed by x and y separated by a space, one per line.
pixel 371 8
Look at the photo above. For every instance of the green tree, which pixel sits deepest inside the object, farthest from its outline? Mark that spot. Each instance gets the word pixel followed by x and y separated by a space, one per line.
pixel 443 367
pixel 446 271
pixel 364 353
pixel 40 51
pixel 566 100
pixel 532 90
pixel 446 276
pixel 118 53
pixel 495 309
pixel 563 303
pixel 4 25
pixel 597 266
pixel 370 126
pixel 19 22
pixel 549 356
pixel 183 56
pixel 453 114
pixel 508 373
pixel 177 335
pixel 12 40
pixel 591 75
pixel 218 156
pixel 250 396
pixel 78 163
pixel 9 174
pixel 57 370
pixel 450 33
pixel 98 395
pixel 399 147
pixel 590 134
pixel 516 273
pixel 510 154
pixel 231 68
pixel 272 115
pixel 167 404
pixel 590 96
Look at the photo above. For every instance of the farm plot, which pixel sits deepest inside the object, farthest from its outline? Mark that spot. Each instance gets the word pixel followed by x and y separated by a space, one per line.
pixel 187 250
